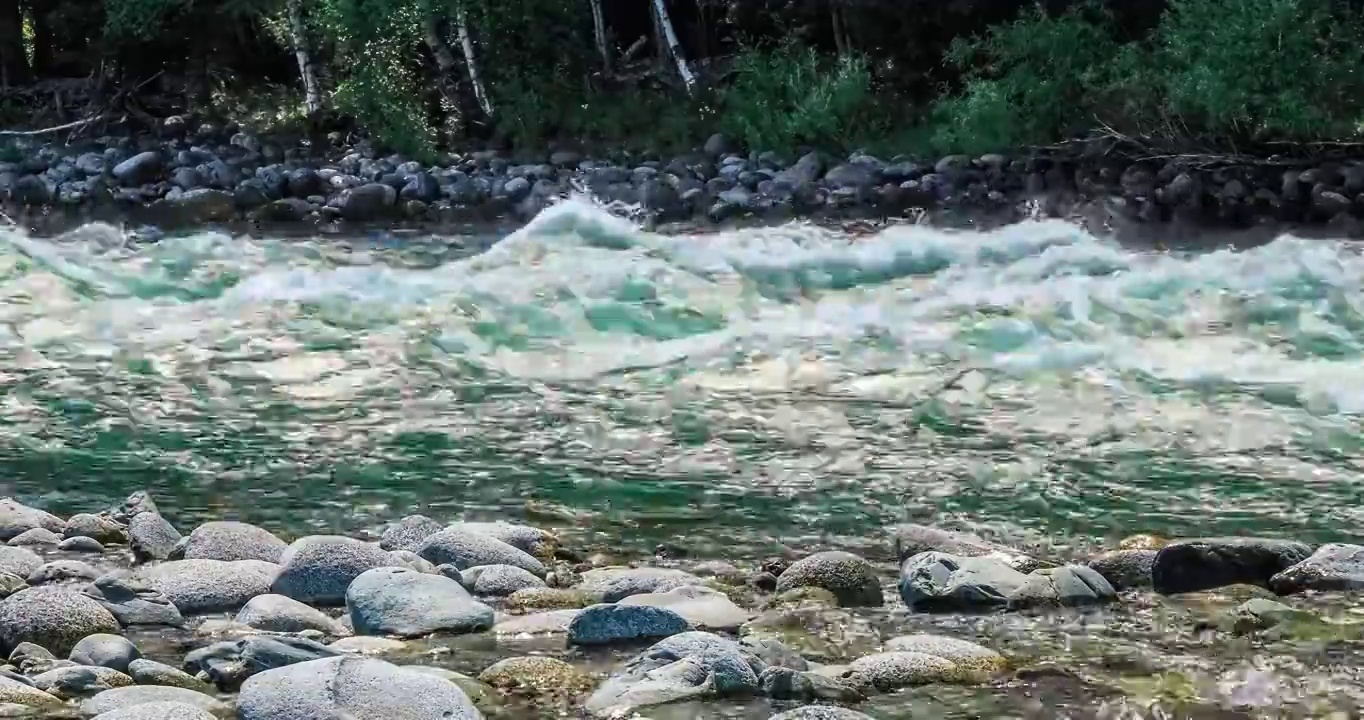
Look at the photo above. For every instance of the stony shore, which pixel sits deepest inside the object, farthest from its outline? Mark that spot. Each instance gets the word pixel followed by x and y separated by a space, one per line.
pixel 332 626
pixel 197 175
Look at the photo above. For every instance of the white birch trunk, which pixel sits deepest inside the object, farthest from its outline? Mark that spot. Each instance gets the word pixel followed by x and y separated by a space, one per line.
pixel 674 47
pixel 466 44
pixel 298 35
pixel 599 29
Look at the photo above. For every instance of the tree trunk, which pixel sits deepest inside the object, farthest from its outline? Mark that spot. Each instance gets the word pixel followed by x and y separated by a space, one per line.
pixel 454 100
pixel 42 38
pixel 298 35
pixel 665 23
pixel 14 68
pixel 840 33
pixel 466 44
pixel 599 31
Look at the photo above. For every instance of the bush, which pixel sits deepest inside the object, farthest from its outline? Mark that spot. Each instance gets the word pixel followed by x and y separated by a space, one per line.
pixel 1029 81
pixel 788 96
pixel 1269 68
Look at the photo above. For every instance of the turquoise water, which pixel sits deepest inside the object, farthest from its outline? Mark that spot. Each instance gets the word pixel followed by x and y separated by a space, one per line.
pixel 724 394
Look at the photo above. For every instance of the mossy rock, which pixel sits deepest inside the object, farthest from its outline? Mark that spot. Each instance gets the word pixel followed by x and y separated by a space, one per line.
pixel 541 679
pixel 537 599
pixel 1143 541
pixel 803 597
pixel 1277 621
pixel 818 633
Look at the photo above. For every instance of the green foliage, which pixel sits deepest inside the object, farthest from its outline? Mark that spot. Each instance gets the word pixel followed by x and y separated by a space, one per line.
pixel 790 95
pixel 1031 80
pixel 137 19
pixel 1273 67
pixel 379 94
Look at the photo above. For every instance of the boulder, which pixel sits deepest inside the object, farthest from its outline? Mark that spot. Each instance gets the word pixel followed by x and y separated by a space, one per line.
pixel 206 586
pixel 850 578
pixel 51 617
pixel 607 624
pixel 318 569
pixel 1336 567
pixel 466 548
pixel 227 541
pixel 125 698
pixel 277 613
pixel 1209 563
pixel 406 603
pixel 350 687
pixel 105 650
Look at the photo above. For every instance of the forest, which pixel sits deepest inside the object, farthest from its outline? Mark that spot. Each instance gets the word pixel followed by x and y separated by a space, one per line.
pixel 931 75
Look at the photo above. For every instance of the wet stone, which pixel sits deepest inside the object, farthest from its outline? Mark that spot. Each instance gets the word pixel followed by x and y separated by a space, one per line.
pixel 850 578
pixel 606 624
pixel 1336 567
pixel 1205 564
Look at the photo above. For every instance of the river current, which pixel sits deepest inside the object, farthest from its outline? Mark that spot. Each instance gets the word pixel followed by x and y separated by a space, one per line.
pixel 731 395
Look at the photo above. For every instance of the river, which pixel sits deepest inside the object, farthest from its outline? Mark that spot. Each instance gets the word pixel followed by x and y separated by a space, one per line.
pixel 731 395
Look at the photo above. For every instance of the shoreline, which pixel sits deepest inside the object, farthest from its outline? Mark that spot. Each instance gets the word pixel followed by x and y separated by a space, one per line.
pixel 243 183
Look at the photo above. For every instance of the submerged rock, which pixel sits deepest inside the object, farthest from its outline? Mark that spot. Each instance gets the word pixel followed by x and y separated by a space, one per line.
pixel 352 687
pixel 128 697
pixel 911 539
pixel 553 622
pixel 406 603
pixel 1336 567
pixel 550 599
pixel 229 664
pixel 850 578
pixel 781 683
pixel 543 680
pixel 615 584
pixel 52 617
pixel 1209 563
pixel 938 582
pixel 702 607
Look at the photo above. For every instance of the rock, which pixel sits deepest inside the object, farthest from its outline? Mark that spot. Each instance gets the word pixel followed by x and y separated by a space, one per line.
pixel 1125 569
pixel 850 578
pixel 362 645
pixel 317 569
pixel 821 712
pixel 135 504
pixel 52 617
pixel 105 650
pixel 607 624
pixel 80 545
pixel 964 654
pixel 13 692
pixel 1206 564
pixel 717 145
pixel 406 603
pixel 103 529
pixel 205 586
pixel 127 697
pixel 409 559
pixel 891 671
pixel 368 202
pixel 151 537
pixel 702 607
pixel 615 584
pixel 228 664
pixel 19 561
pixel 485 698
pixel 825 633
pixel 197 206
pixel 774 653
pixel 277 613
pixel 139 169
pixel 158 711
pixel 688 666
pixel 542 680
pixel 550 599
pixel 30 190
pixel 851 175
pixel 35 537
pixel 516 188
pixel 409 533
pixel 352 687
pixel 1336 567
pixel 465 549
pixel 228 541
pixel 150 672
pixel 938 582
pixel 77 682
pixel 133 603
pixel 553 622
pixel 1066 586
pixel 63 571
pixel 10 584
pixel 780 683
pixel 498 580
pixel 911 540
pixel 540 544
pixel 16 518
pixel 32 659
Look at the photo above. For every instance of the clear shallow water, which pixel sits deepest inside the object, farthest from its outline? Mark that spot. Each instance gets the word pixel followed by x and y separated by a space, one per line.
pixel 730 395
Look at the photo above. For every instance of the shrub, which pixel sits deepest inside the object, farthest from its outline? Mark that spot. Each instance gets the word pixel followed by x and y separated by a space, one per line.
pixel 1273 67
pixel 1031 80
pixel 789 95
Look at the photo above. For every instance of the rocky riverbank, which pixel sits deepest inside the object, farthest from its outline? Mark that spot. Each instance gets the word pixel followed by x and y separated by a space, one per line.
pixel 195 175
pixel 117 615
